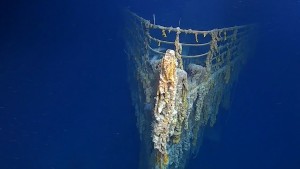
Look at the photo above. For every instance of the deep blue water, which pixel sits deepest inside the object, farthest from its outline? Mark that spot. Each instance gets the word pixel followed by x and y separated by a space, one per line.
pixel 65 100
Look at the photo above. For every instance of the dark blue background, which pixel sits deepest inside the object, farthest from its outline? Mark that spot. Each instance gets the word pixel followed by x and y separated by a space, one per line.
pixel 64 96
